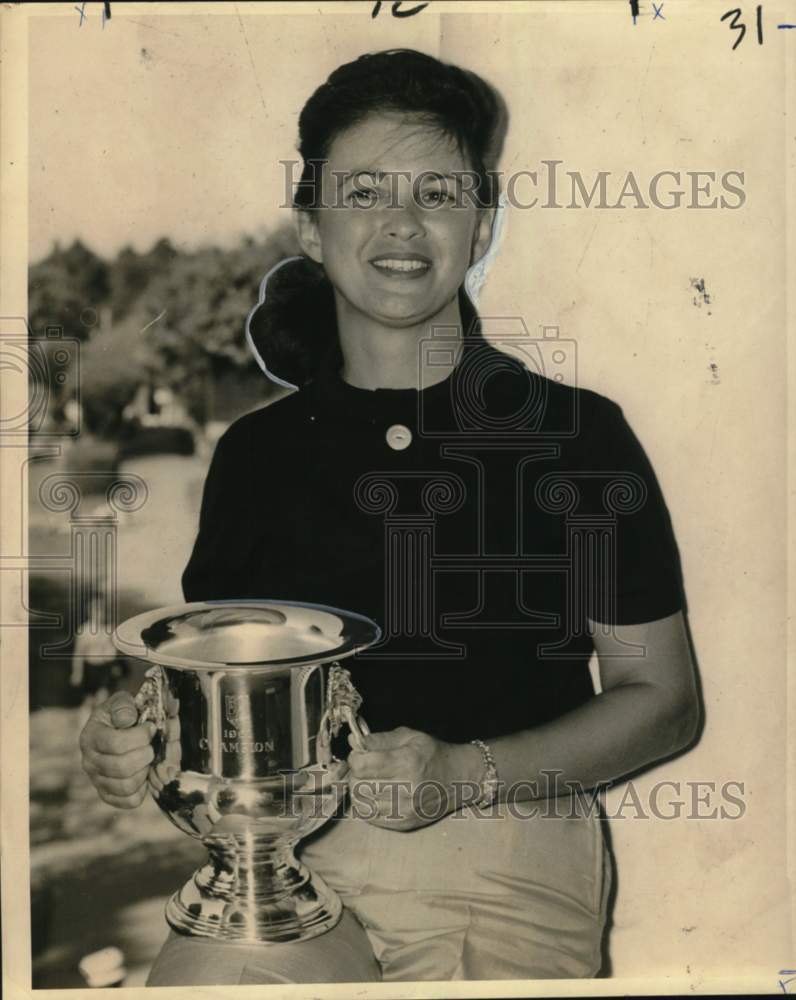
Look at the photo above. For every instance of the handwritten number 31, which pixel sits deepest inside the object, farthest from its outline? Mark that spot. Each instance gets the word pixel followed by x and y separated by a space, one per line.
pixel 736 24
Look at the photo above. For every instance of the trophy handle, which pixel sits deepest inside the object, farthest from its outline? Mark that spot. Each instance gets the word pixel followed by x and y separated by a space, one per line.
pixel 342 705
pixel 151 708
pixel 359 728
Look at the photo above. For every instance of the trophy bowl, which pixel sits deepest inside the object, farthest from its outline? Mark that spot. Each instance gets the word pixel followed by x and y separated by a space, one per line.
pixel 246 697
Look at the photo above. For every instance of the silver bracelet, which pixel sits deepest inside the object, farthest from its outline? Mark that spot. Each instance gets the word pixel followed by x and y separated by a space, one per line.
pixel 489 783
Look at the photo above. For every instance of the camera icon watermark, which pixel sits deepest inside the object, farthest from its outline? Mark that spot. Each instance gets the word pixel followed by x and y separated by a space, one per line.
pixel 538 407
pixel 48 372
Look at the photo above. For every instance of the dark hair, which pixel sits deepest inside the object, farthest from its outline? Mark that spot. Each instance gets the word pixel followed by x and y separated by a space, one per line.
pixel 294 322
pixel 452 100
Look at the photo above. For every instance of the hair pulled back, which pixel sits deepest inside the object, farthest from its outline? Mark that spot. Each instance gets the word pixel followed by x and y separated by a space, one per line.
pixel 454 101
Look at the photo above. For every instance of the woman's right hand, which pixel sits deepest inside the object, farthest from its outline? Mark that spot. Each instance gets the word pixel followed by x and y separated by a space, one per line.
pixel 117 751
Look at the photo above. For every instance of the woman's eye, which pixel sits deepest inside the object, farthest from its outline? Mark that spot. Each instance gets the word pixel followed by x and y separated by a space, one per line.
pixel 434 198
pixel 362 197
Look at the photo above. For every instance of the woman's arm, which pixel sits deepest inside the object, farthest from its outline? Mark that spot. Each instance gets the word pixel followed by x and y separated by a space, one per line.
pixel 647 710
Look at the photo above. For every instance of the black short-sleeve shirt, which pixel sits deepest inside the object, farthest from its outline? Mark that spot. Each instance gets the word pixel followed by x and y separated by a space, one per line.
pixel 520 508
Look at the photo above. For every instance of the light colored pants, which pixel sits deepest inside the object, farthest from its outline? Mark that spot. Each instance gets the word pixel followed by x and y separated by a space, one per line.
pixel 474 896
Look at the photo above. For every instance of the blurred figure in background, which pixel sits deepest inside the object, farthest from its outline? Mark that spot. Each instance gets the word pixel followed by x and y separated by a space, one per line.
pixel 97 668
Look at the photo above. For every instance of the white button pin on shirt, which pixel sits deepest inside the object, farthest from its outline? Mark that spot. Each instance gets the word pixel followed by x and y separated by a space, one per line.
pixel 398 437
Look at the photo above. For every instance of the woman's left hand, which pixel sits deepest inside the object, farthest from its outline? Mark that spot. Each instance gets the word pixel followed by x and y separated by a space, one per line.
pixel 404 779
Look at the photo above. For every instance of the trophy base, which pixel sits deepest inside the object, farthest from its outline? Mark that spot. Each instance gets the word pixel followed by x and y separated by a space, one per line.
pixel 253 894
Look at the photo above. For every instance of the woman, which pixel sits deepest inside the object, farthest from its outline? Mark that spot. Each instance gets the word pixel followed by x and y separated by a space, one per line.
pixel 440 486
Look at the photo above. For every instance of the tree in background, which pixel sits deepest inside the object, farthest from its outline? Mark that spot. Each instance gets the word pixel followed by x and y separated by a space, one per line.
pixel 114 363
pixel 168 317
pixel 131 273
pixel 66 289
pixel 202 302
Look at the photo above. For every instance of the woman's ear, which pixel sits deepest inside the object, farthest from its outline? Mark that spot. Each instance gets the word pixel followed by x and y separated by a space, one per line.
pixel 482 235
pixel 306 225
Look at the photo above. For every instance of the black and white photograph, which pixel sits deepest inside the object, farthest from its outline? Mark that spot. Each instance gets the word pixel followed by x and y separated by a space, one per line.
pixel 395 497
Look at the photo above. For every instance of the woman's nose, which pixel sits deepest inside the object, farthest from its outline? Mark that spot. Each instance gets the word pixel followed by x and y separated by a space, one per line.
pixel 403 223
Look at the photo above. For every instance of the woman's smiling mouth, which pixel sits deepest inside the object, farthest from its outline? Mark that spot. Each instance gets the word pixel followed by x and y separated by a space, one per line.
pixel 401 265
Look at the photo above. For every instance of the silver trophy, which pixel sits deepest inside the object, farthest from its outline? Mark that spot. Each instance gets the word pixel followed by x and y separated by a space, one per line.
pixel 246 697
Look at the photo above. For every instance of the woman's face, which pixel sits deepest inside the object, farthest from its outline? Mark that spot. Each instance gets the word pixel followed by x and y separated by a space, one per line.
pixel 395 235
